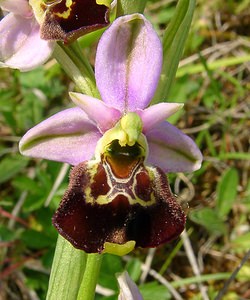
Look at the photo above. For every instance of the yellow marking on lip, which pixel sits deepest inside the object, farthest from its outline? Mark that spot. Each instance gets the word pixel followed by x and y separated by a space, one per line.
pixel 50 3
pixel 111 195
pixel 67 12
pixel 104 2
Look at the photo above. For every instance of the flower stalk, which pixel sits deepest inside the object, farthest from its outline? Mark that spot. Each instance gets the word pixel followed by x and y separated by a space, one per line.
pixel 90 277
pixel 173 45
pixel 125 7
pixel 67 271
pixel 77 67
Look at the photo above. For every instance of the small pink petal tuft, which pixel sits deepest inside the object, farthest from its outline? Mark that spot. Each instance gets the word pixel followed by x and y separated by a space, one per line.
pixel 155 114
pixel 103 115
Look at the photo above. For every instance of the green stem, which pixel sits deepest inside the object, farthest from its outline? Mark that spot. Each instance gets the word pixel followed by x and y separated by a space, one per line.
pixel 67 271
pixel 173 44
pixel 90 277
pixel 126 7
pixel 77 67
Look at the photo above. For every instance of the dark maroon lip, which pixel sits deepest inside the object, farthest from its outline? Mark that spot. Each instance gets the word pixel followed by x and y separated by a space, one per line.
pixel 68 23
pixel 114 202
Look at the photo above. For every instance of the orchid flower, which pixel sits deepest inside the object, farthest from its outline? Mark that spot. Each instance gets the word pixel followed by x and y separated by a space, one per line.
pixel 118 196
pixel 65 20
pixel 29 31
pixel 128 289
pixel 20 45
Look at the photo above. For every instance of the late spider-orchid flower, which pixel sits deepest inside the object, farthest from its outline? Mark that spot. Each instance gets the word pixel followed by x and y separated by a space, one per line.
pixel 118 195
pixel 30 28
pixel 20 44
pixel 66 20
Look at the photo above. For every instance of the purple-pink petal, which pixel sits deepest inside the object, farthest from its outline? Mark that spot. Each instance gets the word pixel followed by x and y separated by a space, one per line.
pixel 102 114
pixel 172 150
pixel 68 136
pixel 128 289
pixel 156 114
pixel 128 63
pixel 18 7
pixel 20 45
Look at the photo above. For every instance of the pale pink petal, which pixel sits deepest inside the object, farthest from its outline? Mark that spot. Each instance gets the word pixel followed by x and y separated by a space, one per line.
pixel 103 115
pixel 68 136
pixel 20 45
pixel 128 63
pixel 128 289
pixel 158 113
pixel 172 150
pixel 18 7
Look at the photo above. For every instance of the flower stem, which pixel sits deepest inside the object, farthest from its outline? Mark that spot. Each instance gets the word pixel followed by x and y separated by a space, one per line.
pixel 77 67
pixel 67 271
pixel 125 7
pixel 90 277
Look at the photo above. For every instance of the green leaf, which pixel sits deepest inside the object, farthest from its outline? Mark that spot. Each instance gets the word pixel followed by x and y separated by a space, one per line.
pixel 10 166
pixel 89 39
pixel 24 183
pixel 134 269
pixel 235 155
pixel 202 278
pixel 209 218
pixel 111 264
pixel 35 78
pixel 173 44
pixel 67 271
pixel 47 258
pixel 36 280
pixel 214 65
pixel 153 290
pixel 165 14
pixel 36 239
pixel 6 234
pixel 242 242
pixel 226 191
pixel 5 103
pixel 34 202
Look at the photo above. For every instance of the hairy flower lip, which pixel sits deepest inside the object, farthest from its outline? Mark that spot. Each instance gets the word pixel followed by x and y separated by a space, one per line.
pixel 148 222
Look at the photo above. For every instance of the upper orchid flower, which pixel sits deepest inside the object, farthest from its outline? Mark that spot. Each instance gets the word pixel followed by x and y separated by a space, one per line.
pixel 29 31
pixel 65 20
pixel 114 201
pixel 20 45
